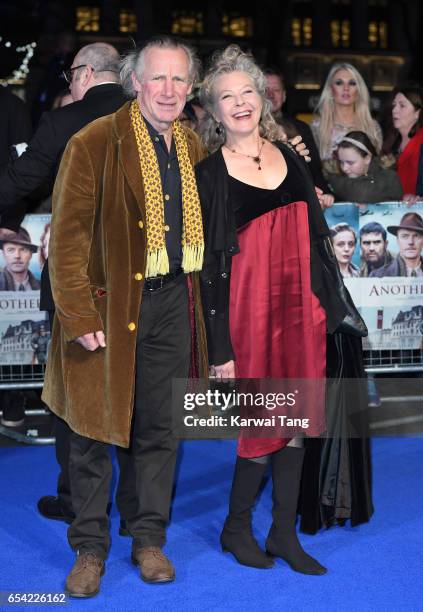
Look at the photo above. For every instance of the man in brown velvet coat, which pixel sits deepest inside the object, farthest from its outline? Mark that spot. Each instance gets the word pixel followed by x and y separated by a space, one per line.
pixel 126 246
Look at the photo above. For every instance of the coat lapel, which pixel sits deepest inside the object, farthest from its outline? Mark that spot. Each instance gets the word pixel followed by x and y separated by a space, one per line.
pixel 128 153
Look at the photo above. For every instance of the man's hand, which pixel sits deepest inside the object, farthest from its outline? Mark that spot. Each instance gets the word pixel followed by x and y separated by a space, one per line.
pixel 92 341
pixel 300 147
pixel 224 371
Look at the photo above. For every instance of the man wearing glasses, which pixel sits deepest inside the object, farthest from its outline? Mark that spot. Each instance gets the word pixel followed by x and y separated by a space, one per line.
pixel 94 84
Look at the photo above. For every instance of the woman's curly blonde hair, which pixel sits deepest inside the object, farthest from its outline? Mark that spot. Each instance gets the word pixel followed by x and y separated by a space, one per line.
pixel 233 59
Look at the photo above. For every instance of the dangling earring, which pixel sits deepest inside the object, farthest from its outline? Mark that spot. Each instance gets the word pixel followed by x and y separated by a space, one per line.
pixel 219 129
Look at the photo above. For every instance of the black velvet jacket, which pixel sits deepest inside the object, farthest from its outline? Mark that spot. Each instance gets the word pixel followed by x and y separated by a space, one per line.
pixel 221 245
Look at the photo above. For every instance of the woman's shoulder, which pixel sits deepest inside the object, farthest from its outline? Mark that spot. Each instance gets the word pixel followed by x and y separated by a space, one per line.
pixel 209 162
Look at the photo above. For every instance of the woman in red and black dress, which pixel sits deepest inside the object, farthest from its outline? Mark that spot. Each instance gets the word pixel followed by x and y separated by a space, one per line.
pixel 268 290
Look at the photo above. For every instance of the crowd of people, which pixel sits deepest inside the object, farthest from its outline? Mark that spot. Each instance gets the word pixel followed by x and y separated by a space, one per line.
pixel 176 254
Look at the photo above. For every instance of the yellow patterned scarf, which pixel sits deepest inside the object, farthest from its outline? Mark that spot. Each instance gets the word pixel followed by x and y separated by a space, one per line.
pixel 192 232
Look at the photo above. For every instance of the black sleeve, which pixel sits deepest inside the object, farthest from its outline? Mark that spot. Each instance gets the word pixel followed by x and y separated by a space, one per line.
pixel 30 171
pixel 214 281
pixel 215 285
pixel 20 129
pixel 315 165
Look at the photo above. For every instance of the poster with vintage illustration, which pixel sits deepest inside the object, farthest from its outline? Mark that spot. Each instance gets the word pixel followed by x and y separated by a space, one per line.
pixel 24 329
pixel 379 251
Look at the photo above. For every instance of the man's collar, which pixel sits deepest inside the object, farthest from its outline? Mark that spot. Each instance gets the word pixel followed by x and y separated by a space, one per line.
pixel 101 87
pixel 151 130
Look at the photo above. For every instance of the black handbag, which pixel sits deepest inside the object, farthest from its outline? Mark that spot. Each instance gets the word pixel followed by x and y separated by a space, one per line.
pixel 352 323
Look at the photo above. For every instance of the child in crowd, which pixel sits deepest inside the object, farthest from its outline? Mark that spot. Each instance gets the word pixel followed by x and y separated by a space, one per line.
pixel 363 179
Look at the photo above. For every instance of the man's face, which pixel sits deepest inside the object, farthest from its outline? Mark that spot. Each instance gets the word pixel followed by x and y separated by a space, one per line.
pixel 410 243
pixel 163 86
pixel 17 257
pixel 275 92
pixel 373 247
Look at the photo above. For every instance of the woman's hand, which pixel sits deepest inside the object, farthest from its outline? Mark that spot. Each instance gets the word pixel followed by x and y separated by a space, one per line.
pixel 326 200
pixel 224 371
pixel 410 199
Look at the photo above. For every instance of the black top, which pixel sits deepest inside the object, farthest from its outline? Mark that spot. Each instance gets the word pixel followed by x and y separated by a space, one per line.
pixel 172 192
pixel 249 202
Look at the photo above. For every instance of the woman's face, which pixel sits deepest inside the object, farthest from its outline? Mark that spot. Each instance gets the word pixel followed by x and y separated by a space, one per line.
pixel 237 103
pixel 352 163
pixel 404 115
pixel 344 245
pixel 344 88
pixel 46 243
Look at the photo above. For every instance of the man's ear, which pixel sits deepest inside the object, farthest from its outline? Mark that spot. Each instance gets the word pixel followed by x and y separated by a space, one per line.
pixel 135 82
pixel 189 90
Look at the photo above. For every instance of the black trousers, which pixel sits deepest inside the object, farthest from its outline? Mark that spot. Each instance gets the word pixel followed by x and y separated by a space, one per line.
pixel 162 353
pixel 62 433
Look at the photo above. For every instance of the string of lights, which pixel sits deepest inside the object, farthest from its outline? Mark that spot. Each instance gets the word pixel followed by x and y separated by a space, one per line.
pixel 19 75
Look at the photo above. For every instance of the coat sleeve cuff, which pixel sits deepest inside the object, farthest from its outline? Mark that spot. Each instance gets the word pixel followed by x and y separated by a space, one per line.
pixel 75 328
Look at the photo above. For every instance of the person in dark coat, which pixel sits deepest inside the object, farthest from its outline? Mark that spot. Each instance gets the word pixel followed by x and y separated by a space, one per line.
pixel 94 85
pixel 15 126
pixel 276 93
pixel 15 133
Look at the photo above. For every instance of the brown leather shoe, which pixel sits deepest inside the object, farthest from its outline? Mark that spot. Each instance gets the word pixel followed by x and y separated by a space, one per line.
pixel 84 578
pixel 155 567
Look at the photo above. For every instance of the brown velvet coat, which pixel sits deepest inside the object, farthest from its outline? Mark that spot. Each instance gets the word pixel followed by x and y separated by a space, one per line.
pixel 97 254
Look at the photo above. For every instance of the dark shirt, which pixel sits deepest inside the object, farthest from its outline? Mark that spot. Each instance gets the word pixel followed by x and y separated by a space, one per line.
pixel 172 187
pixel 249 202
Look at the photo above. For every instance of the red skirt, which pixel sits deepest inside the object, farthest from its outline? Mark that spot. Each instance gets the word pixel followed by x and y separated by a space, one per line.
pixel 278 328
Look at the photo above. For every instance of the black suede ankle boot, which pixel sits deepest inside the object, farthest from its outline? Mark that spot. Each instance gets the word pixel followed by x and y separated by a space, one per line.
pixel 237 536
pixel 282 540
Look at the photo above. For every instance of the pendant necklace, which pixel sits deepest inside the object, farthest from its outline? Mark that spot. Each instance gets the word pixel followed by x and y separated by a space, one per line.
pixel 255 158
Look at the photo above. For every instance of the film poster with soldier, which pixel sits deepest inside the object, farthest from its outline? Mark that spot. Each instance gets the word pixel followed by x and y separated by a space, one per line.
pixel 24 329
pixel 379 250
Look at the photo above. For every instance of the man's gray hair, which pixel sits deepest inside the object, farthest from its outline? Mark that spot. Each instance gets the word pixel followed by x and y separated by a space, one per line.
pixel 104 58
pixel 134 61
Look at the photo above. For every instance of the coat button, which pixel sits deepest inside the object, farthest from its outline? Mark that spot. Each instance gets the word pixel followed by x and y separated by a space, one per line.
pixel 166 228
pixel 131 326
pixel 138 276
pixel 140 224
pixel 167 197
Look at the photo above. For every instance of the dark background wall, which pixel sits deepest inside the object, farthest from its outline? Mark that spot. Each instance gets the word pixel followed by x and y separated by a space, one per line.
pixel 381 37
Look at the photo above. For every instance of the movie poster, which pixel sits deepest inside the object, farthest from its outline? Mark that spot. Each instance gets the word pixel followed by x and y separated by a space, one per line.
pixel 24 329
pixel 379 251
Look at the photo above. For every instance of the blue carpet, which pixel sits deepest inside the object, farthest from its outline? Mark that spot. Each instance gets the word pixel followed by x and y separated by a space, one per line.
pixel 377 566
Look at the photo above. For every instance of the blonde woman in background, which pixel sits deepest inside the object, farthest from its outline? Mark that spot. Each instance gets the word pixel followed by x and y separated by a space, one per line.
pixel 343 107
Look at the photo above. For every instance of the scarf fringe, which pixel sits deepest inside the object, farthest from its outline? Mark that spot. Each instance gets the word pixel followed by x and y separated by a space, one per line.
pixel 192 258
pixel 157 263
